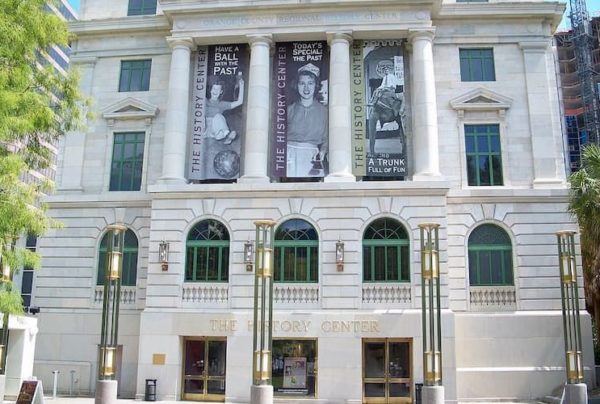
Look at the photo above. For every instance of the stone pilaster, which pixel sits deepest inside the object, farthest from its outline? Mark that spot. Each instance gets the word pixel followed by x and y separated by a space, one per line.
pixel 541 125
pixel 426 154
pixel 73 150
pixel 256 143
pixel 340 131
pixel 177 118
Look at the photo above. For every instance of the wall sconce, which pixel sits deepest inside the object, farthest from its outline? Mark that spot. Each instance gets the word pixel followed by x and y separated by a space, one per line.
pixel 248 255
pixel 339 255
pixel 163 255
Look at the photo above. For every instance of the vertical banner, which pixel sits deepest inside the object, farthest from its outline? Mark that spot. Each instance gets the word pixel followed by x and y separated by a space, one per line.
pixel 218 124
pixel 300 124
pixel 378 110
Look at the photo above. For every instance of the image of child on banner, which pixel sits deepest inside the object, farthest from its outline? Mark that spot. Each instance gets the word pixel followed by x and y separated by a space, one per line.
pixel 216 124
pixel 307 136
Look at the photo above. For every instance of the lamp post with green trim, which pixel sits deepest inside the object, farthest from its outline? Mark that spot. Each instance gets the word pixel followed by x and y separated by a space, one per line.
pixel 106 386
pixel 433 389
pixel 262 388
pixel 575 389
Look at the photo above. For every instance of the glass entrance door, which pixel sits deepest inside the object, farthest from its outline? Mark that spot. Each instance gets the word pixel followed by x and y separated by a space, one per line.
pixel 204 369
pixel 387 371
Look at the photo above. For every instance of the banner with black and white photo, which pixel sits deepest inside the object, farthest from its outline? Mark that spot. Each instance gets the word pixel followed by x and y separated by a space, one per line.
pixel 300 130
pixel 218 114
pixel 379 121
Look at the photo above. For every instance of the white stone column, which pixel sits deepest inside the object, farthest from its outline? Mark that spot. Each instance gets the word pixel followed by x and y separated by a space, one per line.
pixel 340 130
pixel 543 113
pixel 256 144
pixel 177 119
pixel 426 154
pixel 72 150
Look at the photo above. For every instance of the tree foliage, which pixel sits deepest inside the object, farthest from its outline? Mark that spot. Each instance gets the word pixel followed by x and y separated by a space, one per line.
pixel 38 104
pixel 584 203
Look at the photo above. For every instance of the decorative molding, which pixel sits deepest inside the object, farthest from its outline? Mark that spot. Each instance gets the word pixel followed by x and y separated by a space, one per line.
pixel 481 99
pixel 130 108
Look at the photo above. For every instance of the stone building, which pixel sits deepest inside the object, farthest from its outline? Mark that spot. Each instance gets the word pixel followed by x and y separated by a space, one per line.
pixel 348 123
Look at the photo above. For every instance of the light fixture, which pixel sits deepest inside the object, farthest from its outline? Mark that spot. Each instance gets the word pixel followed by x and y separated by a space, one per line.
pixel 248 255
pixel 163 255
pixel 339 255
pixel 108 360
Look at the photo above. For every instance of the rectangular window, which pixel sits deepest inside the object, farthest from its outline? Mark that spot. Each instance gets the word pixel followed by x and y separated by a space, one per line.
pixel 484 160
pixel 477 65
pixel 127 162
pixel 27 274
pixel 141 7
pixel 135 75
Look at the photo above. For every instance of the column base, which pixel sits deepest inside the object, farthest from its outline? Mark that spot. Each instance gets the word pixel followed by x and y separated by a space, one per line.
pixel 432 395
pixel 340 177
pixel 262 394
pixel 249 179
pixel 106 392
pixel 540 183
pixel 171 180
pixel 575 394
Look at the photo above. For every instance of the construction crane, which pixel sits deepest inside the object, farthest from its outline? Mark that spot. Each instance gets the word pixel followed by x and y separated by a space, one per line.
pixel 583 41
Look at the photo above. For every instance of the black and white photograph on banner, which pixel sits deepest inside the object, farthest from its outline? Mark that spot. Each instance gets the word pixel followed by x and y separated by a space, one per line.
pixel 300 124
pixel 218 114
pixel 379 115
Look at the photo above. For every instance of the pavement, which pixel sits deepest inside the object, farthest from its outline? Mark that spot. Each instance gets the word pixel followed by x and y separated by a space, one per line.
pixel 90 400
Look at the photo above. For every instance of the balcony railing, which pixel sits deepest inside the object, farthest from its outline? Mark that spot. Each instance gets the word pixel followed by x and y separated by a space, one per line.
pixel 292 295
pixel 493 298
pixel 205 293
pixel 383 293
pixel 128 295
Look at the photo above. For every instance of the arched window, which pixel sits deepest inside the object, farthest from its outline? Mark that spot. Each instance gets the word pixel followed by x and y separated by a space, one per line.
pixel 207 253
pixel 385 252
pixel 296 252
pixel 490 257
pixel 130 258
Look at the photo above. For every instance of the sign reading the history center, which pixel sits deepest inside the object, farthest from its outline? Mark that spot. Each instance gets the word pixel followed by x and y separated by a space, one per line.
pixel 218 123
pixel 379 121
pixel 300 122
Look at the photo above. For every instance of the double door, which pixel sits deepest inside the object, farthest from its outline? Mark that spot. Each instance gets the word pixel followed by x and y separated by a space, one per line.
pixel 387 371
pixel 204 366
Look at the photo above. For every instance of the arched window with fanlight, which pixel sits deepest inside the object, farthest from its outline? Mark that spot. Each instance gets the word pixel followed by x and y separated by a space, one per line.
pixel 130 259
pixel 385 252
pixel 296 252
pixel 490 257
pixel 207 253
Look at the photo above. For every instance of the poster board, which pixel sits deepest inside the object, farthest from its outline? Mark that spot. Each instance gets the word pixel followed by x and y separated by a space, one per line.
pixel 31 392
pixel 294 373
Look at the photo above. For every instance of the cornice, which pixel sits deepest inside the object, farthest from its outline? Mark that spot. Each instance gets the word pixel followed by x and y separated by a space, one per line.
pixel 124 25
pixel 547 10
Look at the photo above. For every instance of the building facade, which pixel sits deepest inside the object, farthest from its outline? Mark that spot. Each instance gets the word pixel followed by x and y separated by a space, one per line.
pixel 348 124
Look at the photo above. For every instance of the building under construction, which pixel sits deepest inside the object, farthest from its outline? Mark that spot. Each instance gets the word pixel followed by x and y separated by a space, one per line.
pixel 578 53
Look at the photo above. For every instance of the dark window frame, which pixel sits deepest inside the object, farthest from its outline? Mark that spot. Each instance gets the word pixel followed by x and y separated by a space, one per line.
pixel 141 7
pixel 389 240
pixel 483 152
pixel 296 253
pixel 477 64
pixel 130 259
pixel 120 180
pixel 483 255
pixel 134 75
pixel 208 239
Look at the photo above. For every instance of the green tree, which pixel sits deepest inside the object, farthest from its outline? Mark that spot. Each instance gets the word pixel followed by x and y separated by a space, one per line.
pixel 38 104
pixel 584 203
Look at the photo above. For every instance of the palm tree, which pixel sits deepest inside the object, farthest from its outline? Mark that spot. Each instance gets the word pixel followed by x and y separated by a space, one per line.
pixel 584 203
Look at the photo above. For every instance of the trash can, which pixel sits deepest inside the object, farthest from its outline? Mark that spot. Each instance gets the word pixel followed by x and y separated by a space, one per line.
pixel 150 391
pixel 418 391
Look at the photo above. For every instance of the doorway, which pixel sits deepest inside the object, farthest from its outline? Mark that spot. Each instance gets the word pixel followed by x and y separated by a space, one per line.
pixel 204 364
pixel 387 370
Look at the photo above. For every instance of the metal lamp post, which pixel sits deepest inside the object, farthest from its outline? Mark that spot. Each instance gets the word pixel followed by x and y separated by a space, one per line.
pixel 575 390
pixel 106 387
pixel 433 389
pixel 262 388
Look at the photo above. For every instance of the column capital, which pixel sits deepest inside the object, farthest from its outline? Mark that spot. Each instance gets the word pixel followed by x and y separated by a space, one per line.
pixel 421 33
pixel 333 36
pixel 534 46
pixel 180 42
pixel 260 39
